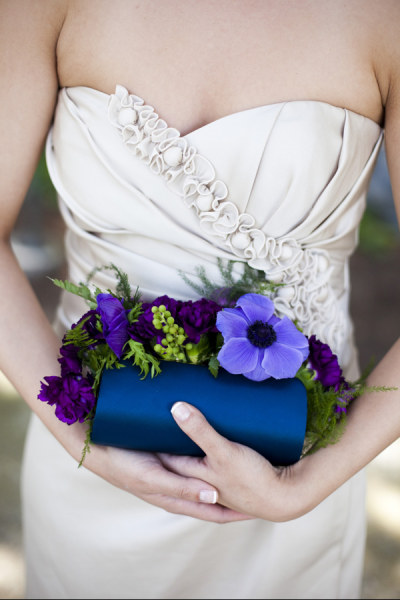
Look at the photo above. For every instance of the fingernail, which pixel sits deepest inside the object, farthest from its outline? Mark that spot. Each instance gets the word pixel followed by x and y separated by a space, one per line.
pixel 208 496
pixel 180 411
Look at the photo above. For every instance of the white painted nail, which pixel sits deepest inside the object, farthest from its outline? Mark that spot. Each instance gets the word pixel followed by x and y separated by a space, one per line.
pixel 180 411
pixel 208 496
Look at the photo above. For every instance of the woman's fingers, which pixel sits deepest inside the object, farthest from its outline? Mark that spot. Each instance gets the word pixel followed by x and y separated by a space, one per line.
pixel 196 426
pixel 187 466
pixel 143 473
pixel 206 512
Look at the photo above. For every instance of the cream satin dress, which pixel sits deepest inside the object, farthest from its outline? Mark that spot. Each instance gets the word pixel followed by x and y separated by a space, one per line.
pixel 280 186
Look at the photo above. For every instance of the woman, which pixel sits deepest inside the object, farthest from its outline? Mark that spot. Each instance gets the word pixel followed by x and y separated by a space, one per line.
pixel 286 101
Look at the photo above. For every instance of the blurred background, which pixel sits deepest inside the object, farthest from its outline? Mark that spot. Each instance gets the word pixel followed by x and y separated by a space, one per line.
pixel 37 242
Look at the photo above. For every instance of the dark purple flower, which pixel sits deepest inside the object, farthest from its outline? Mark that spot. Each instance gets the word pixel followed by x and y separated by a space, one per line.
pixel 198 318
pixel 115 322
pixel 143 329
pixel 73 396
pixel 50 389
pixel 224 297
pixel 258 344
pixel 70 361
pixel 89 320
pixel 322 360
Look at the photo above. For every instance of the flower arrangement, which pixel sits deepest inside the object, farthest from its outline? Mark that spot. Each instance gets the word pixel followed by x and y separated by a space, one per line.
pixel 228 328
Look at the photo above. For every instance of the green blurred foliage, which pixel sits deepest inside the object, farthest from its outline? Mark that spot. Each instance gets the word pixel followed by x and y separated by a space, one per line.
pixel 377 237
pixel 41 185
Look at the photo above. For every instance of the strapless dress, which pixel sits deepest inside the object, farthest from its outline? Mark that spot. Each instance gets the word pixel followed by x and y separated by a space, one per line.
pixel 281 187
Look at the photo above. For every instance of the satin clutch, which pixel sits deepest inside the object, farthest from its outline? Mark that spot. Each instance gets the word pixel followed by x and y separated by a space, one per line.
pixel 134 413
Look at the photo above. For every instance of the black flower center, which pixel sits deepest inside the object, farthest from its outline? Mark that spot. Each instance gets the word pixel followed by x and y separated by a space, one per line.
pixel 261 334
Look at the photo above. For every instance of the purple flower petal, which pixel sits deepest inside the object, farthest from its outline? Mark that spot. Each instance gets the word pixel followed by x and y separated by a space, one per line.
pixel 109 307
pixel 287 334
pixel 325 363
pixel 256 307
pixel 238 355
pixel 259 373
pixel 282 362
pixel 231 322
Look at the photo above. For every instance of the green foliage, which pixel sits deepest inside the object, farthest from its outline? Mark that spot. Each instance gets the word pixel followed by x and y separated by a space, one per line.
pixel 251 279
pixel 376 237
pixel 325 421
pixel 123 290
pixel 81 290
pixel 324 425
pixel 79 337
pixel 213 365
pixel 142 359
pixel 88 438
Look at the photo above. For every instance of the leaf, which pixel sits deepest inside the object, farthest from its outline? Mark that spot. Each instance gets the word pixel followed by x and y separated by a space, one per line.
pixel 213 365
pixel 81 290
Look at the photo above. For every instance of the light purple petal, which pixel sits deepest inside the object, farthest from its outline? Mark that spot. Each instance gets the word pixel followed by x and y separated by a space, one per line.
pixel 231 322
pixel 281 361
pixel 238 356
pixel 273 321
pixel 259 373
pixel 287 334
pixel 256 307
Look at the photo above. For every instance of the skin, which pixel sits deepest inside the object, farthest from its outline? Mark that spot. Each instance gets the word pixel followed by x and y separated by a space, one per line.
pixel 195 62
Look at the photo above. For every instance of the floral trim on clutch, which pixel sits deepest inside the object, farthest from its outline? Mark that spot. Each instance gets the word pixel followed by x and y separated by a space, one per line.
pixel 229 328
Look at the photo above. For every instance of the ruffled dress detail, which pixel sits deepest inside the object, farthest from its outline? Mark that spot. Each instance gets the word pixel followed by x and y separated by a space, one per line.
pixel 307 294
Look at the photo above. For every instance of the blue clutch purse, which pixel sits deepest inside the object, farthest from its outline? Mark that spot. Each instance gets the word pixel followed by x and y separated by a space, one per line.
pixel 134 413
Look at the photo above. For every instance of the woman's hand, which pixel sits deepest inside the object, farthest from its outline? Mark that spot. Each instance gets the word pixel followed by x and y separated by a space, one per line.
pixel 143 475
pixel 245 480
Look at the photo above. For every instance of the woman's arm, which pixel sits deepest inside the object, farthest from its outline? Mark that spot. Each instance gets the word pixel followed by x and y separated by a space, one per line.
pixel 29 350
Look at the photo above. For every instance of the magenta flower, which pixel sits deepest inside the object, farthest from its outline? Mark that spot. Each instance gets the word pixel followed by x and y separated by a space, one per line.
pixel 257 344
pixel 115 322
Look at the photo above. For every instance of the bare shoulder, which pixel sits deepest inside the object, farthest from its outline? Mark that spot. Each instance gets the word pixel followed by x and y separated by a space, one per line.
pixel 386 32
pixel 38 19
pixel 382 18
pixel 28 93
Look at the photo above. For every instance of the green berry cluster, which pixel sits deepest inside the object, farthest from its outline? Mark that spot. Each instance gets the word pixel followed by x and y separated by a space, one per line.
pixel 171 347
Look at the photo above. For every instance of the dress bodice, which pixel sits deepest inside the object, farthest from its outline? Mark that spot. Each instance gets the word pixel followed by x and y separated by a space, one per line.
pixel 280 186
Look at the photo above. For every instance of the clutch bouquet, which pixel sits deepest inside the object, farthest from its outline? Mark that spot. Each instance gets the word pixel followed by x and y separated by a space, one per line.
pixel 256 377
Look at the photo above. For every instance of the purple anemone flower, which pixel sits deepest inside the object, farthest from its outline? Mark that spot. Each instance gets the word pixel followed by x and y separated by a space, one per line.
pixel 115 322
pixel 257 344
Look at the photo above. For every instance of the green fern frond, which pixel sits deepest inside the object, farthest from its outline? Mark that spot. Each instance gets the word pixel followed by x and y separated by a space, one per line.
pixel 146 362
pixel 81 290
pixel 88 437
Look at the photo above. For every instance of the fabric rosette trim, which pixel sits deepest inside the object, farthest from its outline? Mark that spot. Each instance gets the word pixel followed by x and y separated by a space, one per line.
pixel 231 329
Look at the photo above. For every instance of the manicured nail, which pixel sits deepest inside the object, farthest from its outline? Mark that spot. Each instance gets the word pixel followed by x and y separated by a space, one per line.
pixel 208 496
pixel 180 411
